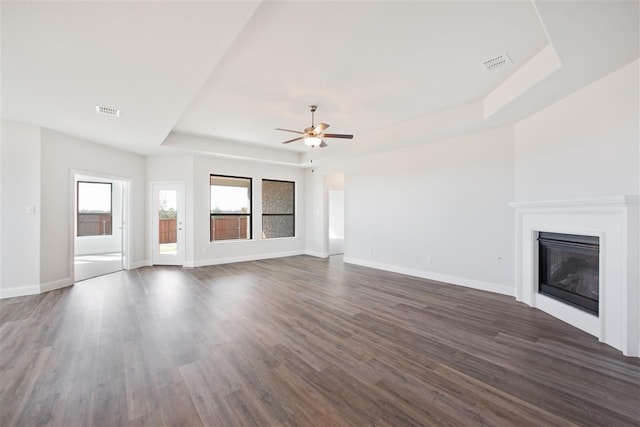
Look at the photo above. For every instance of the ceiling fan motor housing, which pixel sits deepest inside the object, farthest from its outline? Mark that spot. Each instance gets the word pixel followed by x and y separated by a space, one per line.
pixel 314 135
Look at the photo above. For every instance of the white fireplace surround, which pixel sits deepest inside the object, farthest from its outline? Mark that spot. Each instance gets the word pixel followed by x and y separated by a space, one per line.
pixel 616 221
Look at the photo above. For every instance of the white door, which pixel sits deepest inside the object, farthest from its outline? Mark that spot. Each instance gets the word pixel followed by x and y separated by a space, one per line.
pixel 167 201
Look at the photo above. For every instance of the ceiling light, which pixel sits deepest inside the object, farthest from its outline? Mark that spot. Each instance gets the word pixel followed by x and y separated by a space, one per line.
pixel 312 141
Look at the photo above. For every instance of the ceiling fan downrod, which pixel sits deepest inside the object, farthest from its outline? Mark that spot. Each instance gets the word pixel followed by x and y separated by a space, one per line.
pixel 313 110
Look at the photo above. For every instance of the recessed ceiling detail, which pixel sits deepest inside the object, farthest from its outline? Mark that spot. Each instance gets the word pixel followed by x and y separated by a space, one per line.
pixel 496 62
pixel 399 73
pixel 107 111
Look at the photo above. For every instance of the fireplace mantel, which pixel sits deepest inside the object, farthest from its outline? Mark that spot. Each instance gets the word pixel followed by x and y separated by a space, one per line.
pixel 616 221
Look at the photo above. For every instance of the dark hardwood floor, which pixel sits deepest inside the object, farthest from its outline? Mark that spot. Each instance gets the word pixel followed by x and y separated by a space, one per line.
pixel 299 341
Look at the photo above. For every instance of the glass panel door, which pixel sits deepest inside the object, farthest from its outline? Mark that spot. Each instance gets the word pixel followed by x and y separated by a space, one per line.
pixel 167 222
pixel 168 230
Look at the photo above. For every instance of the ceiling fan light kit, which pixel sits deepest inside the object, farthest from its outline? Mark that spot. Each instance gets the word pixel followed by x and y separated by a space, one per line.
pixel 312 141
pixel 313 136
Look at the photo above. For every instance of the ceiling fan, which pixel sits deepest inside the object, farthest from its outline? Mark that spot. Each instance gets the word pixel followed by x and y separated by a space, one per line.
pixel 313 135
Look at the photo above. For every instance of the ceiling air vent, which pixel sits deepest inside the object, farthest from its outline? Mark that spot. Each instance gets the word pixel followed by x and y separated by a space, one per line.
pixel 496 62
pixel 107 111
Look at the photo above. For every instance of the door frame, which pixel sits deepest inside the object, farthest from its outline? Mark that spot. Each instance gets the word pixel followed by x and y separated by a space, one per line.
pixel 127 184
pixel 153 220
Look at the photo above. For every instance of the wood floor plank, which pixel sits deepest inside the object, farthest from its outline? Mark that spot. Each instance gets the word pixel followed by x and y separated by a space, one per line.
pixel 300 341
pixel 307 408
pixel 19 387
pixel 208 401
pixel 178 408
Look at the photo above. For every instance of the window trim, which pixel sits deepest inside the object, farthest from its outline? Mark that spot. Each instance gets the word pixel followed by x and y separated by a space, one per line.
pixel 249 214
pixel 78 213
pixel 281 214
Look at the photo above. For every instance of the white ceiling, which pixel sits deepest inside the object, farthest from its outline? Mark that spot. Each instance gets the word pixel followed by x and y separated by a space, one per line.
pixel 149 59
pixel 392 73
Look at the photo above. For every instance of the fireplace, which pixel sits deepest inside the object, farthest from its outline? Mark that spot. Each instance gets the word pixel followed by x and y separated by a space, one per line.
pixel 615 221
pixel 568 267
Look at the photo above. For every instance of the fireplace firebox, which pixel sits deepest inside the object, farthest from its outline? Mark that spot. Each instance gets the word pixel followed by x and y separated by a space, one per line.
pixel 569 269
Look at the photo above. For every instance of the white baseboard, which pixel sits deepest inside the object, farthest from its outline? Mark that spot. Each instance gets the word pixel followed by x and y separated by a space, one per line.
pixel 19 291
pixel 35 289
pixel 317 254
pixel 229 260
pixel 454 280
pixel 101 251
pixel 56 284
pixel 140 264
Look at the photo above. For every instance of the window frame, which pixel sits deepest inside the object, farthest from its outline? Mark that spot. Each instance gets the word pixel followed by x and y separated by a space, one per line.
pixel 78 213
pixel 280 214
pixel 249 214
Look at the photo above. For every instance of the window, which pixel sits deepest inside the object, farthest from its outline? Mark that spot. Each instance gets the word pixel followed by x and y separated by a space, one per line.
pixel 230 208
pixel 278 209
pixel 94 209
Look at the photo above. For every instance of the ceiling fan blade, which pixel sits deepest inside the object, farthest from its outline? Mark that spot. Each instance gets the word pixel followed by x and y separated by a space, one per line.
pixel 323 144
pixel 289 130
pixel 320 128
pixel 294 139
pixel 337 135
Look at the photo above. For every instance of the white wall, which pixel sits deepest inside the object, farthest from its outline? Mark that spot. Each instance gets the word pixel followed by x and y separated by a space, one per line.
pixel 61 154
pixel 194 171
pixel 453 194
pixel 20 223
pixel 437 210
pixel 207 253
pixel 585 145
pixel 318 182
pixel 1 196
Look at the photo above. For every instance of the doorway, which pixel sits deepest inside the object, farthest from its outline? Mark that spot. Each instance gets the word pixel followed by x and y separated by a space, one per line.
pixel 334 185
pixel 336 222
pixel 167 204
pixel 100 212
